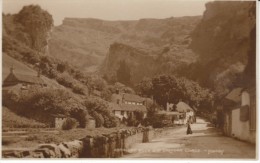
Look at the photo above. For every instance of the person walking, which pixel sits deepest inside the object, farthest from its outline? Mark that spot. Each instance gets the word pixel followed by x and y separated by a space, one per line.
pixel 189 131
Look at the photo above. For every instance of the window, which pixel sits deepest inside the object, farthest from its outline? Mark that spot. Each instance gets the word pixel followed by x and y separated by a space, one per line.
pixel 24 86
pixel 122 112
pixel 117 101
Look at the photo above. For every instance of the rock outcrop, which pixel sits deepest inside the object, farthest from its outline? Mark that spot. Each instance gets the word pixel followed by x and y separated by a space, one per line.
pixel 85 42
pixel 222 41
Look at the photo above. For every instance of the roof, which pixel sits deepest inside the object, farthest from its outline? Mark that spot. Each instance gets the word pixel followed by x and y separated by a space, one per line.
pixel 29 79
pixel 132 97
pixel 127 107
pixel 25 78
pixel 169 113
pixel 234 95
pixel 127 97
pixel 183 107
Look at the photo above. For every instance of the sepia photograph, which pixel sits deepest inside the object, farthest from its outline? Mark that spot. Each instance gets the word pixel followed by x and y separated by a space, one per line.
pixel 129 79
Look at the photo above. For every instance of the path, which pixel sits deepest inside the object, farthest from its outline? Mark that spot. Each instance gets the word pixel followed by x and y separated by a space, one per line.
pixel 205 142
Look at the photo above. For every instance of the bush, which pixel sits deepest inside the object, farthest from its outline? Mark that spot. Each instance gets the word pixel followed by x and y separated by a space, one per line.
pixel 99 119
pixel 79 89
pixel 69 123
pixel 81 116
pixel 98 109
pixel 110 122
pixel 65 79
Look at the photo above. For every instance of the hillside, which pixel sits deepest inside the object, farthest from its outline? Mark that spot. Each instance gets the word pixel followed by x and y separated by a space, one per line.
pixel 85 42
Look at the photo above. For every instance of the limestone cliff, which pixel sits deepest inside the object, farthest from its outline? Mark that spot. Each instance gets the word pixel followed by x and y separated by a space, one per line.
pixel 222 40
pixel 85 42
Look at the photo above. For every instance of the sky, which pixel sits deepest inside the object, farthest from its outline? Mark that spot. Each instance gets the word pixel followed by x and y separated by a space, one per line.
pixel 111 9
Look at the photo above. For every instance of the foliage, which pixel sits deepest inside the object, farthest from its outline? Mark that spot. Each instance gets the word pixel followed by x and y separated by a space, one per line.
pixel 172 89
pixel 65 79
pixel 42 103
pixel 80 115
pixel 98 109
pixel 29 49
pixel 37 23
pixel 145 86
pixel 79 89
pixel 69 123
pixel 12 120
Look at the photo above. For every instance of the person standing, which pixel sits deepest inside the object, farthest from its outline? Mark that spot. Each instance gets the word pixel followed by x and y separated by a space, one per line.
pixel 189 131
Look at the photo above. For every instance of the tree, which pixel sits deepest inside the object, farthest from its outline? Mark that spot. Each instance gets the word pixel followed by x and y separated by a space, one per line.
pixel 166 89
pixel 37 23
pixel 98 109
pixel 145 87
pixel 123 73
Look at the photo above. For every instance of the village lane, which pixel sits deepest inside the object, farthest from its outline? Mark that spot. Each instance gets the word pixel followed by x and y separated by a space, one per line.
pixel 205 142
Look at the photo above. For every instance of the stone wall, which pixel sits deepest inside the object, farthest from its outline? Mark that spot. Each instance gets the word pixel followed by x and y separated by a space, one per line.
pixel 113 145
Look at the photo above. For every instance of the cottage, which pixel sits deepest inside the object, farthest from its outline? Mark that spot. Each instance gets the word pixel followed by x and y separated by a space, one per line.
pixel 22 82
pixel 123 105
pixel 183 108
pixel 176 117
pixel 240 114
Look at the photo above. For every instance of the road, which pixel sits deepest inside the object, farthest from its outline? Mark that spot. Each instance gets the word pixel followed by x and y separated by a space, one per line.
pixel 205 142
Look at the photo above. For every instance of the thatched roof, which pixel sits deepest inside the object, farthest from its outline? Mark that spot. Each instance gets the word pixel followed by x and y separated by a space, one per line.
pixel 183 107
pixel 127 107
pixel 24 78
pixel 132 98
pixel 169 113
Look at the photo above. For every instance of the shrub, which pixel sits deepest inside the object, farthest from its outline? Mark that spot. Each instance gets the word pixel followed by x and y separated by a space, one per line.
pixel 61 67
pixel 99 119
pixel 110 122
pixel 65 79
pixel 70 123
pixel 81 116
pixel 79 89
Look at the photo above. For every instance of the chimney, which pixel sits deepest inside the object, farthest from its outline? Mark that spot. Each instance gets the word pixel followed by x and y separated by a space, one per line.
pixel 167 106
pixel 12 69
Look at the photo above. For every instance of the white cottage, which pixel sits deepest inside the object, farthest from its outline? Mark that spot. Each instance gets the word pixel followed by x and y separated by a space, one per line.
pixel 240 114
pixel 123 105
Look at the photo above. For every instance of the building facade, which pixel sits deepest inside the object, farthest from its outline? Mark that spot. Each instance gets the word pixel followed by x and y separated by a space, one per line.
pixel 240 115
pixel 125 105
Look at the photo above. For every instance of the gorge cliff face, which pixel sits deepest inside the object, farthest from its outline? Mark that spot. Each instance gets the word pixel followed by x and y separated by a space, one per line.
pixel 85 42
pixel 222 41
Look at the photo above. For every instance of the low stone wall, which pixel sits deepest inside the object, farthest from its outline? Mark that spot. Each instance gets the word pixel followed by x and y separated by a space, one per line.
pixel 113 145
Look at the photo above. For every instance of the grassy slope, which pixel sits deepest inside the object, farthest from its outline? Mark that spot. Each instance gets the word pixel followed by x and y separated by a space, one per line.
pixel 10 119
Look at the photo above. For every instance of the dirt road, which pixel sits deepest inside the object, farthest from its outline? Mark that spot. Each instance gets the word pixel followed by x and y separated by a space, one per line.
pixel 205 142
